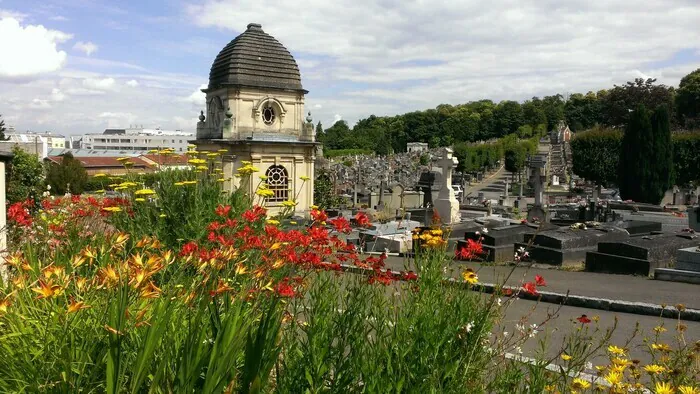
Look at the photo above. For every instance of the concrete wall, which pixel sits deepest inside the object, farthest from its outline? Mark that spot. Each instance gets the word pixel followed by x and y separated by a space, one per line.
pixel 3 219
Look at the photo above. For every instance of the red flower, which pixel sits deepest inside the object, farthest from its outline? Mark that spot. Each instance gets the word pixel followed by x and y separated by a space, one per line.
pixel 410 275
pixel 283 289
pixel 341 225
pixel 530 288
pixel 318 215
pixel 507 292
pixel 188 249
pixel 223 210
pixel 583 319
pixel 362 219
pixel 539 281
pixel 18 213
pixel 254 214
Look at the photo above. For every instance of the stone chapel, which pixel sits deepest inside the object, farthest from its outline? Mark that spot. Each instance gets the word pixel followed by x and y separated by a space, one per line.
pixel 255 113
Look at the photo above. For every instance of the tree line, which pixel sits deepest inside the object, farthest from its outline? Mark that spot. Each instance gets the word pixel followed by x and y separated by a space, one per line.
pixel 483 120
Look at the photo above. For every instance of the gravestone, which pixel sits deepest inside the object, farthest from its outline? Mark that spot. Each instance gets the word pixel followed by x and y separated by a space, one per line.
pixel 566 245
pixel 425 183
pixel 538 164
pixel 498 241
pixel 686 269
pixel 447 205
pixel 638 255
pixel 694 218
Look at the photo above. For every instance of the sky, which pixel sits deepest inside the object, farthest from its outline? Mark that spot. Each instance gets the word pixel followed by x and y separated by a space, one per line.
pixel 80 66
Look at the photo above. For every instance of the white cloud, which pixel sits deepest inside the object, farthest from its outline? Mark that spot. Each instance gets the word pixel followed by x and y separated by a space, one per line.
pixel 39 104
pixel 318 106
pixel 58 18
pixel 29 50
pixel 87 48
pixel 132 83
pixel 99 83
pixel 57 95
pixel 197 98
pixel 337 118
pixel 19 16
pixel 419 54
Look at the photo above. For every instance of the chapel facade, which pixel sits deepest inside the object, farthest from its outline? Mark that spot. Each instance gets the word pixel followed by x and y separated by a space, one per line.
pixel 255 113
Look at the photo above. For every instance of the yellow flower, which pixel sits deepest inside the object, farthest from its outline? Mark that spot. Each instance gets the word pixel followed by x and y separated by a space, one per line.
pixel 162 215
pixel 660 329
pixel 75 306
pixel 469 275
pixel 202 168
pixel 304 178
pixel 100 175
pixel 153 151
pixel 616 350
pixel 144 192
pixel 580 384
pixel 663 388
pixel 263 177
pixel 196 161
pixel 688 390
pixel 189 182
pixel 289 203
pixel 246 163
pixel 139 199
pixel 661 346
pixel 122 159
pixel 221 180
pixel 565 357
pixel 314 207
pixel 272 222
pixel 112 209
pixel 179 183
pixel 222 150
pixel 101 191
pixel 292 222
pixel 653 369
pixel 614 377
pixel 214 154
pixel 127 184
pixel 4 304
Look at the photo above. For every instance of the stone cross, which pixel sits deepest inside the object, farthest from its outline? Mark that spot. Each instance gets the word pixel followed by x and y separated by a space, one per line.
pixel 447 205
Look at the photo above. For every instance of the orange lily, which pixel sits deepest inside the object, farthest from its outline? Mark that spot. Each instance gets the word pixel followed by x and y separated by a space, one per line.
pixel 75 306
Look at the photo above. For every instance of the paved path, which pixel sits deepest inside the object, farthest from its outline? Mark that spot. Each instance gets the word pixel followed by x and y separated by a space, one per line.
pixel 617 287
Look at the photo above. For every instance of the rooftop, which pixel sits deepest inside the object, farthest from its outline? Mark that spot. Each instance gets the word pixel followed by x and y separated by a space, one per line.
pixel 255 59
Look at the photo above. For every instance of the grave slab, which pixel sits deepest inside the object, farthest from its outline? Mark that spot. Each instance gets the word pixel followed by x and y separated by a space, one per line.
pixel 566 245
pixel 676 275
pixel 638 255
pixel 688 259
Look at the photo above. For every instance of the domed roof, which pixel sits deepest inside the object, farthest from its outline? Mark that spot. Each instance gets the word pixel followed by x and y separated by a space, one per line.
pixel 255 59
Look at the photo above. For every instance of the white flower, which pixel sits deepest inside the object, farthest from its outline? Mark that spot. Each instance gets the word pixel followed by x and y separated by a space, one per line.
pixel 48 187
pixel 521 250
pixel 505 333
pixel 485 230
pixel 589 365
pixel 520 327
pixel 534 330
pixel 526 254
pixel 470 326
pixel 519 350
pixel 499 302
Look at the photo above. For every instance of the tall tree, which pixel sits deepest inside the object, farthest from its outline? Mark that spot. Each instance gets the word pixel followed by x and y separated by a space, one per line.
pixel 338 136
pixel 617 103
pixel 320 134
pixel 553 107
pixel 26 177
pixel 688 100
pixel 661 163
pixel 645 157
pixel 509 116
pixel 69 175
pixel 533 113
pixel 2 130
pixel 582 112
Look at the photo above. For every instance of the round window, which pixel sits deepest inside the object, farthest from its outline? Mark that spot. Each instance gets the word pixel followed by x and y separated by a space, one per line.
pixel 268 115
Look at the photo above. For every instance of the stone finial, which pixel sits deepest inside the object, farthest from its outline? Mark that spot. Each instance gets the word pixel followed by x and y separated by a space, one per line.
pixel 201 116
pixel 309 119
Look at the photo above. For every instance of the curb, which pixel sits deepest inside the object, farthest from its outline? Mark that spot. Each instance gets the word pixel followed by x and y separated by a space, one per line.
pixel 635 308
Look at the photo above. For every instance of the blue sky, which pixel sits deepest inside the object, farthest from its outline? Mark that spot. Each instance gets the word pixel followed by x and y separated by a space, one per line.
pixel 77 66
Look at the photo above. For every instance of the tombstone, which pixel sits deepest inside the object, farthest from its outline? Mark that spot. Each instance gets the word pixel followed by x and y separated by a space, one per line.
pixel 425 183
pixel 555 180
pixel 537 211
pixel 447 205
pixel 694 218
pixel 638 255
pixel 566 245
pixel 498 241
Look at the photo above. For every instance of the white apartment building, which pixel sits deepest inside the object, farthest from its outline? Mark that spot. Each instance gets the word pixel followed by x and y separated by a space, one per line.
pixel 31 142
pixel 137 139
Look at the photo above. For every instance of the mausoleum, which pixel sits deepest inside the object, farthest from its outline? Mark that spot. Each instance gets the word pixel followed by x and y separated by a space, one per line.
pixel 255 113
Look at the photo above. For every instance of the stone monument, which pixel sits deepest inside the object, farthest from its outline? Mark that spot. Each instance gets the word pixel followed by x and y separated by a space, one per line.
pixel 538 164
pixel 446 204
pixel 4 157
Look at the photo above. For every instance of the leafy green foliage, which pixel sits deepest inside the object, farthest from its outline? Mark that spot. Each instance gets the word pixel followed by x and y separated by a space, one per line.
pixel 685 158
pixel 26 177
pixel 618 101
pixel 582 112
pixel 595 155
pixel 324 195
pixel 2 130
pixel 70 174
pixel 688 100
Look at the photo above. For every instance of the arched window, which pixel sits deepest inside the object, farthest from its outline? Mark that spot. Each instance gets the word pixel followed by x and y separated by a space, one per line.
pixel 278 182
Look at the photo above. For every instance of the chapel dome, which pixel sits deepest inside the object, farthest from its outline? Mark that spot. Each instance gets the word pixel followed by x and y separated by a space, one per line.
pixel 255 59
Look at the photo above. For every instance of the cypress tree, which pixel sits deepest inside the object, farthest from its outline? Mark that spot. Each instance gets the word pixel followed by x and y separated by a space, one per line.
pixel 637 150
pixel 662 156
